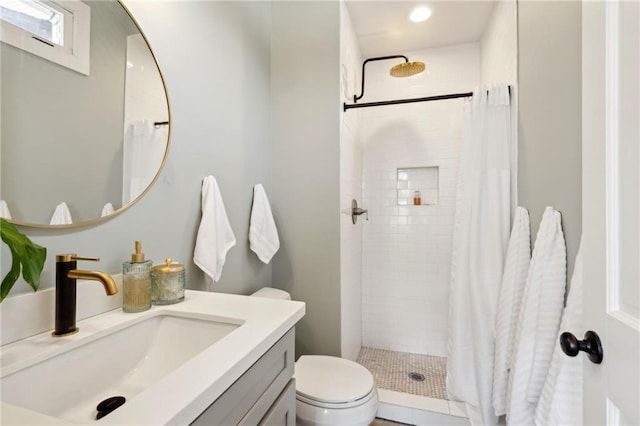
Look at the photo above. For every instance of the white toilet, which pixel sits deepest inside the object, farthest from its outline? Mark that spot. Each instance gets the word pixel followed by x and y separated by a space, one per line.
pixel 330 390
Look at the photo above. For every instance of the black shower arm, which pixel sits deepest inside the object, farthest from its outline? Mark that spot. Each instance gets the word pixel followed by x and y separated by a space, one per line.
pixel 381 58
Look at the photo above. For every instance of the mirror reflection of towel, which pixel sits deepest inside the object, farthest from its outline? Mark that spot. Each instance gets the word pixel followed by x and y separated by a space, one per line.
pixel 4 210
pixel 107 210
pixel 263 235
pixel 61 215
pixel 215 236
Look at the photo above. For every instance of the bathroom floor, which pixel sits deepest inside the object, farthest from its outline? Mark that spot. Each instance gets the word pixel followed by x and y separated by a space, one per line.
pixel 391 371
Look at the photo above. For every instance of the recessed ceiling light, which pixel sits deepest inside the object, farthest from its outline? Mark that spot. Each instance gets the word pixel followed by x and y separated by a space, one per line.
pixel 420 14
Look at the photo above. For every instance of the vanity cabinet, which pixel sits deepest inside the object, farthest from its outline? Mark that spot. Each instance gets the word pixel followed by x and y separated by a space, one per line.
pixel 264 395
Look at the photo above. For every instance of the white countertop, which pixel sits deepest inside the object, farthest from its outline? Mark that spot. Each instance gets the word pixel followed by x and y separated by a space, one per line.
pixel 180 396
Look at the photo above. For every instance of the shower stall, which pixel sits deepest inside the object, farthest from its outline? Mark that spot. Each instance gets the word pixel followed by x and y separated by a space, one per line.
pixel 409 166
pixel 399 161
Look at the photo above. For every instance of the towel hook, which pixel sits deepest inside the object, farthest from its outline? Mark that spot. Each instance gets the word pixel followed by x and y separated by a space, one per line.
pixel 357 211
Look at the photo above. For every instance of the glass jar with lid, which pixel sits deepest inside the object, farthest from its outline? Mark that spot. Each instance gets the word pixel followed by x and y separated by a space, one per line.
pixel 167 283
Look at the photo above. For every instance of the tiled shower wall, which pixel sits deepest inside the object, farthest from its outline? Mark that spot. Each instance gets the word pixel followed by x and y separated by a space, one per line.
pixel 406 255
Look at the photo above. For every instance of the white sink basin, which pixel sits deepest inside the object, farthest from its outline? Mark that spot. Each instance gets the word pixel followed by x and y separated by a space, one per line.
pixel 125 362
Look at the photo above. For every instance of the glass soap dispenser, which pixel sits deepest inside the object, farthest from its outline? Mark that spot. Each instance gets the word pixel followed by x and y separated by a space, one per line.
pixel 136 282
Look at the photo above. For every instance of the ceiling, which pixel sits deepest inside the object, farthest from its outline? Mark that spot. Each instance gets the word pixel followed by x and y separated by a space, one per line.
pixel 383 27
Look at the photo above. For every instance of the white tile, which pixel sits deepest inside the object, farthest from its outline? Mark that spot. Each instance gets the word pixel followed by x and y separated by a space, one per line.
pixel 411 246
pixel 400 220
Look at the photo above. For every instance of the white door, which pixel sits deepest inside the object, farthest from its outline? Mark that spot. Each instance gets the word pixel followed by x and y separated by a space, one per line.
pixel 610 194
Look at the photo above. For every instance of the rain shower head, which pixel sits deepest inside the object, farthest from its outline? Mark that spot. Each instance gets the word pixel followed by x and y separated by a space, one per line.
pixel 404 69
pixel 407 69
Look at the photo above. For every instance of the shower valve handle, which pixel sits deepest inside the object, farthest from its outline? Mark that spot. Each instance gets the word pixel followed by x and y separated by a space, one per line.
pixel 360 211
pixel 357 211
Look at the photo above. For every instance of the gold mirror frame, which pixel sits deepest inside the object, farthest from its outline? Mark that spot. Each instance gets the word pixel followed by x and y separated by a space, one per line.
pixel 101 219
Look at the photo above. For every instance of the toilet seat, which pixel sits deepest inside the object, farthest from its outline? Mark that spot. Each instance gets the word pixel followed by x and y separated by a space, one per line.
pixel 332 382
pixel 337 405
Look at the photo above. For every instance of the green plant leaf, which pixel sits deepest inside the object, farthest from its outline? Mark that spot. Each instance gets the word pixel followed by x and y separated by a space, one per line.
pixel 26 256
pixel 11 277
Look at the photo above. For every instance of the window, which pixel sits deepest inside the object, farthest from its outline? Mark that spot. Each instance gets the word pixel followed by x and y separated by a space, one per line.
pixel 54 30
pixel 43 21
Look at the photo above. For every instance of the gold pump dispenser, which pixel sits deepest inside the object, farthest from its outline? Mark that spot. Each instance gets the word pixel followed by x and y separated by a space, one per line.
pixel 136 282
pixel 138 256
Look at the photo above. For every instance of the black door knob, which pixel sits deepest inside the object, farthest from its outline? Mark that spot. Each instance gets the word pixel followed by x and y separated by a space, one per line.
pixel 591 345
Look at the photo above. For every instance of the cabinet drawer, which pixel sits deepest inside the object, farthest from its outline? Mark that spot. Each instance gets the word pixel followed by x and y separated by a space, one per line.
pixel 250 397
pixel 283 411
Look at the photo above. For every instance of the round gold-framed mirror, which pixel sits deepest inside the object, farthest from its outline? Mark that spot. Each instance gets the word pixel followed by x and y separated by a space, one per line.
pixel 79 143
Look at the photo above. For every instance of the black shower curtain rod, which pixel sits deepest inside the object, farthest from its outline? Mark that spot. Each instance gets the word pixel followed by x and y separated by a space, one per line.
pixel 408 101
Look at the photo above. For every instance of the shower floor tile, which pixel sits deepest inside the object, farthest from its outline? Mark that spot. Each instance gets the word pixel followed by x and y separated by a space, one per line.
pixel 391 371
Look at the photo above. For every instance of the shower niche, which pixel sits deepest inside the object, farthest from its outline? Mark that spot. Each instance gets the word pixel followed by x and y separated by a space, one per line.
pixel 418 186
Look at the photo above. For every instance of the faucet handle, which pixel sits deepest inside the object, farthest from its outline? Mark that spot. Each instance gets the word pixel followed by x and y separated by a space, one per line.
pixel 92 259
pixel 72 256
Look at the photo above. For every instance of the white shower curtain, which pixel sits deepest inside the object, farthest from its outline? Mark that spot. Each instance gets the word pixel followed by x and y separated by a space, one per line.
pixel 481 236
pixel 143 152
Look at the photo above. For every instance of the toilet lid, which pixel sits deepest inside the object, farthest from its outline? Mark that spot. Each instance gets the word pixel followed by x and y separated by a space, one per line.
pixel 331 379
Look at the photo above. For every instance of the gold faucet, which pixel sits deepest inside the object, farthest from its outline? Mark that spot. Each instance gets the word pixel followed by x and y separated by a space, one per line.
pixel 109 285
pixel 66 276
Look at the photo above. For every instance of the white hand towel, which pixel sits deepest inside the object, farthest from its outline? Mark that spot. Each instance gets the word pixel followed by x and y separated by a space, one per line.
pixel 263 235
pixel 215 236
pixel 561 399
pixel 539 320
pixel 107 209
pixel 514 279
pixel 61 215
pixel 4 210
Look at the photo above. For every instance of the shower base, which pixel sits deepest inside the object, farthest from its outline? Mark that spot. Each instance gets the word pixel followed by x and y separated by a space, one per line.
pixel 391 370
pixel 410 401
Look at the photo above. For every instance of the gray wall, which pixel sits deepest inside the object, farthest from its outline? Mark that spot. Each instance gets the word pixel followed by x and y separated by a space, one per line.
pixel 52 111
pixel 215 58
pixel 221 62
pixel 305 63
pixel 549 135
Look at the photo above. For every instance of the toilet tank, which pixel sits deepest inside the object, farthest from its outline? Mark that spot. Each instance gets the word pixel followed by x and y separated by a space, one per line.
pixel 272 293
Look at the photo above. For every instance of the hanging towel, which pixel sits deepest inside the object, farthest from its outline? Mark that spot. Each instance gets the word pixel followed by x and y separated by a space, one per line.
pixel 4 210
pixel 263 235
pixel 107 209
pixel 561 399
pixel 215 236
pixel 61 215
pixel 539 320
pixel 509 304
